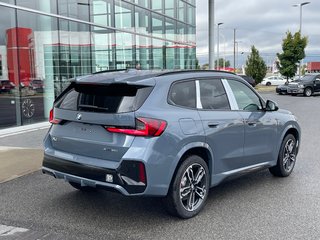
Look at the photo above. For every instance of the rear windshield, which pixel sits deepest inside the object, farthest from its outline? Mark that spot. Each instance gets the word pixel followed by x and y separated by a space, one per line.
pixel 118 98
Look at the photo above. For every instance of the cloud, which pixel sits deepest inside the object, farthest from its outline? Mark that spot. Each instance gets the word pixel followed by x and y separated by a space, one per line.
pixel 259 23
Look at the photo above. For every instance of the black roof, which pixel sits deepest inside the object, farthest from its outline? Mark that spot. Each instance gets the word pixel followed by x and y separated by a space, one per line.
pixel 137 76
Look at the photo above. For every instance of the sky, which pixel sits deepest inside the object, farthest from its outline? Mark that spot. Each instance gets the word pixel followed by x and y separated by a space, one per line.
pixel 260 23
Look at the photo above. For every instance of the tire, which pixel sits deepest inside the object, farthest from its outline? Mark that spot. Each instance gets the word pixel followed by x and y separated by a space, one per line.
pixel 287 157
pixel 307 92
pixel 293 94
pixel 268 84
pixel 79 187
pixel 186 205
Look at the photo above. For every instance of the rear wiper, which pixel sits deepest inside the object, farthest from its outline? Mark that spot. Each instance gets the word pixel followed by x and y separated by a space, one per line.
pixel 92 107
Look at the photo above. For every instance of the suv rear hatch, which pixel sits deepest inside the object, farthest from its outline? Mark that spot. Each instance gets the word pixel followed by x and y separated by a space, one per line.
pixel 84 111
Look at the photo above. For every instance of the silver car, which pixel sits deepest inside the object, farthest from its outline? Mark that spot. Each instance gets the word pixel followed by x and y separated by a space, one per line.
pixel 170 134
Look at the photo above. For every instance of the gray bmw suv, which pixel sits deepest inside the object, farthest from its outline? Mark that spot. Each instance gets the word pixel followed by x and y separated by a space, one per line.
pixel 170 134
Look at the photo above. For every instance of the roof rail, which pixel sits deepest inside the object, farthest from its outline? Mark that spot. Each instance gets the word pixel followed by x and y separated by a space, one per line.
pixel 190 71
pixel 114 70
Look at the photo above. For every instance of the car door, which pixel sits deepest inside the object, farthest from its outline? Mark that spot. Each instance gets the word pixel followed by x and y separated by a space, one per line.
pixel 260 125
pixel 317 84
pixel 277 81
pixel 224 129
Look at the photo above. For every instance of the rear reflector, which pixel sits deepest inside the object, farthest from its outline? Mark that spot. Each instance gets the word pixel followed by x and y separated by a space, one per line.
pixel 147 127
pixel 52 119
pixel 142 173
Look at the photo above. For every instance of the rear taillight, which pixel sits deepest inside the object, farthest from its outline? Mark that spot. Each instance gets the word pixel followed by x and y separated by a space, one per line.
pixel 52 119
pixel 147 127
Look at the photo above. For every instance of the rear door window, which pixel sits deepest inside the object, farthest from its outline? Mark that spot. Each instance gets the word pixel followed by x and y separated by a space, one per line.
pixel 118 98
pixel 213 95
pixel 183 94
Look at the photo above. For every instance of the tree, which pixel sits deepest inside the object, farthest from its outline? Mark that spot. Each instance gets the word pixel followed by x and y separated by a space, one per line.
pixel 255 66
pixel 205 66
pixel 221 61
pixel 197 64
pixel 293 51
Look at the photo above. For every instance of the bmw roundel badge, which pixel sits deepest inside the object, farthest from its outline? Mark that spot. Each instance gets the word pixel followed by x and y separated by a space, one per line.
pixel 79 116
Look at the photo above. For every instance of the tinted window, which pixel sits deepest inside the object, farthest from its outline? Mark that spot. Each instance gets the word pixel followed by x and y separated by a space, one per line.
pixel 108 99
pixel 183 94
pixel 245 97
pixel 213 95
pixel 308 78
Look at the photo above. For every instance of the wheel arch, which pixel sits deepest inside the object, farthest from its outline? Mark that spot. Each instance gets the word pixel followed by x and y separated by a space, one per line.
pixel 202 150
pixel 291 129
pixel 295 133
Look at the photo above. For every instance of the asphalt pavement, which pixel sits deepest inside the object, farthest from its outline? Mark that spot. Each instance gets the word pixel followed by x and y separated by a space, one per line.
pixel 256 206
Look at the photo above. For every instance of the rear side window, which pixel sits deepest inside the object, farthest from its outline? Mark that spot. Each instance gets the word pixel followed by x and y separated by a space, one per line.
pixel 183 94
pixel 213 95
pixel 117 98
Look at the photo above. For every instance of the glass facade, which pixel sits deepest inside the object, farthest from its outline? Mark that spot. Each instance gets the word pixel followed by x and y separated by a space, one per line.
pixel 43 44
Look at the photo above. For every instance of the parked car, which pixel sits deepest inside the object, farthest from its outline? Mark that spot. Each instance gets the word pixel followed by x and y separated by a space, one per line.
pixel 273 80
pixel 36 85
pixel 6 86
pixel 307 85
pixel 169 134
pixel 283 89
pixel 249 79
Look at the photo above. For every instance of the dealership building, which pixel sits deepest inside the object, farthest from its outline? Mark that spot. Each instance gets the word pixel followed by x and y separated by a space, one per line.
pixel 45 43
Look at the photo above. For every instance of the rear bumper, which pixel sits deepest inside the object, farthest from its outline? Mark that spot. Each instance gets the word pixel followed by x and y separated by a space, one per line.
pixel 93 176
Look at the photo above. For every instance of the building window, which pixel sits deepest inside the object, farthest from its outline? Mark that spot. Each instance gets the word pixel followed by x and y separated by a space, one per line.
pixel 40 52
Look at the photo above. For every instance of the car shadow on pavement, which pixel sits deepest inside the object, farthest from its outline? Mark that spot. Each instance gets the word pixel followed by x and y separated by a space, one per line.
pixel 110 207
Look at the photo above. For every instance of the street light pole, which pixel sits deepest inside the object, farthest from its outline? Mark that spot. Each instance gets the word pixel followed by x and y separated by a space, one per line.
pixel 224 50
pixel 234 50
pixel 218 61
pixel 211 34
pixel 300 5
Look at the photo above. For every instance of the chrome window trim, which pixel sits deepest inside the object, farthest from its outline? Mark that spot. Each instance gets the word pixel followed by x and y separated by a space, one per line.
pixel 230 95
pixel 198 99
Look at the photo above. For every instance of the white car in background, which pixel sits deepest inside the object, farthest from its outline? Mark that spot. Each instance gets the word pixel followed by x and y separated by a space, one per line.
pixel 273 80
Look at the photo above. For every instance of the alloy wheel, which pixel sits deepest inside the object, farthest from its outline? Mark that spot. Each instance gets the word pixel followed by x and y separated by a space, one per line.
pixel 28 108
pixel 308 92
pixel 193 187
pixel 289 155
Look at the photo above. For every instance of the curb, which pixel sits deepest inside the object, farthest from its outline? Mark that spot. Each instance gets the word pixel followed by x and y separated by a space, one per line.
pixel 23 129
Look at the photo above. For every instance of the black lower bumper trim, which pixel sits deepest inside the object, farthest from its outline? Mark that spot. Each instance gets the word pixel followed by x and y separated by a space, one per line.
pixel 89 172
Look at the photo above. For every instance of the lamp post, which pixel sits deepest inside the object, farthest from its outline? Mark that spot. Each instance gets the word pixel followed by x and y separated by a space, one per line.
pixel 234 50
pixel 218 60
pixel 300 28
pixel 237 53
pixel 211 34
pixel 224 51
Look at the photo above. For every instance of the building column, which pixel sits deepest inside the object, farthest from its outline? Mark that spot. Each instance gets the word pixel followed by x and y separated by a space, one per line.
pixel 211 34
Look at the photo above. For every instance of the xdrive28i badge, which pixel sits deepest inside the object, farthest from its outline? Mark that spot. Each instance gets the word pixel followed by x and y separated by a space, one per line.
pixel 79 116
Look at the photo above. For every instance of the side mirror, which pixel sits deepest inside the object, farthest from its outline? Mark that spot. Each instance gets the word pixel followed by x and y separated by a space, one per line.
pixel 271 106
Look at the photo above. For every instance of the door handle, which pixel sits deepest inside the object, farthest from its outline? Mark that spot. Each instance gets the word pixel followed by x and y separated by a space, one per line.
pixel 213 124
pixel 252 124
